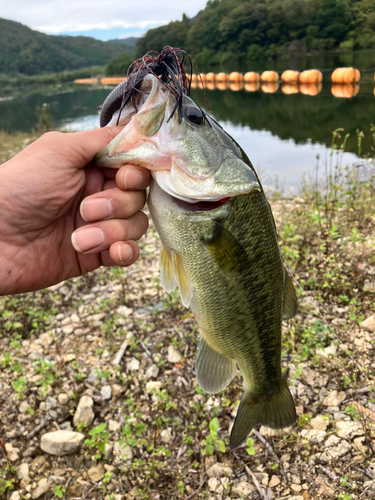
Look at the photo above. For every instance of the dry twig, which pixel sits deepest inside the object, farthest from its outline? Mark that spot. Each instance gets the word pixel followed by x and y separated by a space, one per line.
pixel 122 350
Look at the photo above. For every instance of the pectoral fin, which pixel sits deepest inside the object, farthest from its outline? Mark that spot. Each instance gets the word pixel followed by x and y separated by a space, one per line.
pixel 227 251
pixel 214 370
pixel 290 298
pixel 167 277
pixel 184 284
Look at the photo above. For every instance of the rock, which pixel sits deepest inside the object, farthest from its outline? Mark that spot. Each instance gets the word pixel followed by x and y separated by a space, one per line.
pixel 122 454
pixel 152 372
pixel 334 398
pixel 13 453
pixel 313 435
pixel 117 390
pixel 42 487
pixel 93 375
pixel 63 399
pixel 334 448
pixel 328 352
pixel 75 490
pixel 84 413
pixel 173 355
pixel 219 470
pixel 69 357
pixel 110 468
pixel 23 407
pixel 274 481
pixel 38 464
pixel 124 311
pixel 108 448
pixel 166 435
pixel 96 473
pixel 46 339
pixel 106 392
pixel 262 477
pixel 74 318
pixel 218 485
pixel 348 429
pixel 152 386
pixel 132 364
pixel 244 489
pixel 296 487
pixel 23 470
pixel 369 324
pixel 359 443
pixel 61 442
pixel 113 425
pixel 319 423
pixel 16 495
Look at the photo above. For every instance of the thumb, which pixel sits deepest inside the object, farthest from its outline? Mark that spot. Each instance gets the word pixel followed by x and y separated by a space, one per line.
pixel 90 142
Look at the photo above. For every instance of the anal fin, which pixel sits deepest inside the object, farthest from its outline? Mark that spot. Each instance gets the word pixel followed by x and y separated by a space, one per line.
pixel 290 298
pixel 183 282
pixel 214 370
pixel 167 277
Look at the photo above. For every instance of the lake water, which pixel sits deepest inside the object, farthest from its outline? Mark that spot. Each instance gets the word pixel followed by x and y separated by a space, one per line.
pixel 282 134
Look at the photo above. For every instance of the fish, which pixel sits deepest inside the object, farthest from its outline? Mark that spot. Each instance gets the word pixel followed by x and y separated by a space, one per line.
pixel 218 234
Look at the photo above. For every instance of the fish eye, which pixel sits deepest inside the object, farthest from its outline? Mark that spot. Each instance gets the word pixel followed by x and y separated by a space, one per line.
pixel 194 115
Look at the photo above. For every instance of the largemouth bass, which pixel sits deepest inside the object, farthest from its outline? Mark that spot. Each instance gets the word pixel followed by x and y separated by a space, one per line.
pixel 219 246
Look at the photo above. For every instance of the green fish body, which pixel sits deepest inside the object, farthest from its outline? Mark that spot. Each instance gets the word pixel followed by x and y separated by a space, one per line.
pixel 221 253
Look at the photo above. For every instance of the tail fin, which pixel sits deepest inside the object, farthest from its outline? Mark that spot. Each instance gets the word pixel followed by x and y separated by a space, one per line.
pixel 277 412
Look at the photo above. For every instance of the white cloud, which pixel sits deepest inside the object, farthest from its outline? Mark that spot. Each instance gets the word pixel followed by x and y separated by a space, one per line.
pixel 69 27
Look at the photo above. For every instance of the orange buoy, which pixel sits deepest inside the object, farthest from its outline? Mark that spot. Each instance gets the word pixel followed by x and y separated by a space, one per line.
pixel 221 77
pixel 346 75
pixel 289 88
pixel 194 84
pixel 310 88
pixel 269 77
pixel 236 86
pixel 202 77
pixel 311 76
pixel 252 86
pixel 344 90
pixel 223 85
pixel 290 76
pixel 235 77
pixel 194 78
pixel 270 87
pixel 210 77
pixel 210 85
pixel 251 77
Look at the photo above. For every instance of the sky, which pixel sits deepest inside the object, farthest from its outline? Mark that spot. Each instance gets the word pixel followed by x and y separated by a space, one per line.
pixel 103 19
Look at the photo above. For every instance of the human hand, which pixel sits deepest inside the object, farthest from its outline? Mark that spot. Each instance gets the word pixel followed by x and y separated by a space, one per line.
pixel 51 198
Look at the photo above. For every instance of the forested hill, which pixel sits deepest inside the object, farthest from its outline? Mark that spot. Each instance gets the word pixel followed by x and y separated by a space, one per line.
pixel 250 30
pixel 29 52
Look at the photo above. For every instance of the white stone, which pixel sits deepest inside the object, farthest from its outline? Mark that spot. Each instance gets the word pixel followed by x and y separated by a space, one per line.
pixel 219 470
pixel 124 311
pixel 61 442
pixel 13 453
pixel 244 489
pixel 312 434
pixel 84 413
pixel 46 339
pixel 23 407
pixel 16 495
pixel 42 487
pixel 218 485
pixel 152 386
pixel 152 372
pixel 74 318
pixel 117 390
pixel 63 399
pixel 133 364
pixel 166 435
pixel 328 352
pixel 106 392
pixel 359 444
pixel 334 448
pixel 348 429
pixel 122 453
pixel 96 473
pixel 369 324
pixel 173 355
pixel 319 423
pixel 274 481
pixel 113 425
pixel 23 470
pixel 262 477
pixel 334 398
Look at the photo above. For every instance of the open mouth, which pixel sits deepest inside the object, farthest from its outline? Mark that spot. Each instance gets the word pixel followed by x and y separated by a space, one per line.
pixel 200 206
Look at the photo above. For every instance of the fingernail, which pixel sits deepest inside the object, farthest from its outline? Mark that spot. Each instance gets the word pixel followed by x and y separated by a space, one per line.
pixel 96 209
pixel 133 179
pixel 125 252
pixel 87 239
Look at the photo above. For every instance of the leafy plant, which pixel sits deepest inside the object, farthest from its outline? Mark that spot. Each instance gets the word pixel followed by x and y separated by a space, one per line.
pixel 213 440
pixel 98 439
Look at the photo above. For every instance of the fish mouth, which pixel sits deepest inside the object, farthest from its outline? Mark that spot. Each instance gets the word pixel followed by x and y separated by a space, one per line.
pixel 200 206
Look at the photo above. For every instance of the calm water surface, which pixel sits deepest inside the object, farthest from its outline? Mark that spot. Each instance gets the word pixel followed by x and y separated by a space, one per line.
pixel 282 134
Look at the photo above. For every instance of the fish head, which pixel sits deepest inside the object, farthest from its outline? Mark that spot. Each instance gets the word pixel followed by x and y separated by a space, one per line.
pixel 190 156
